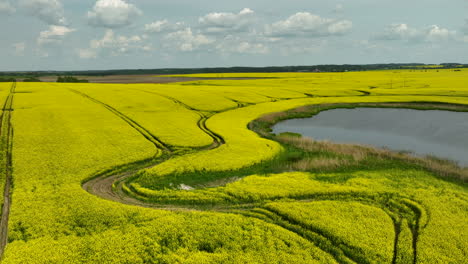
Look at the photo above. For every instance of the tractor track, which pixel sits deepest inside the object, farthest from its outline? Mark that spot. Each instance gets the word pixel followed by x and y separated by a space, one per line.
pixel 394 206
pixel 313 235
pixel 143 131
pixel 6 138
pixel 201 123
pixel 111 186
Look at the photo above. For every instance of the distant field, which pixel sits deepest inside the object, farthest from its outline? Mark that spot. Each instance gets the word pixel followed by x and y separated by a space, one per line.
pixel 135 78
pixel 186 171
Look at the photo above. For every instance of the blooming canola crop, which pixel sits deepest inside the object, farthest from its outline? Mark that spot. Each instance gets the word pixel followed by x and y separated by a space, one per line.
pixel 188 149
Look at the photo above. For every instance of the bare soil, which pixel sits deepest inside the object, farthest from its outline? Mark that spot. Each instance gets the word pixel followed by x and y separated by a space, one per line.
pixel 137 79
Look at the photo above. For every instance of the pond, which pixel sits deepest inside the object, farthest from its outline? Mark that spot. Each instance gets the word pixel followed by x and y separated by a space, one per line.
pixel 442 134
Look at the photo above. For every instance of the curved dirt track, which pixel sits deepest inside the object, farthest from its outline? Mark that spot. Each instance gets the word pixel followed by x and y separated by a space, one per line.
pixel 103 187
pixel 110 187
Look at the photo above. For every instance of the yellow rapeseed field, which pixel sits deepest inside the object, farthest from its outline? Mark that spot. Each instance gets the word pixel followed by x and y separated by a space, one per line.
pixel 193 182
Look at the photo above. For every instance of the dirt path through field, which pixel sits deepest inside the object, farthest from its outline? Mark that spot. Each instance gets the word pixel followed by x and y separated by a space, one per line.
pixel 111 187
pixel 6 136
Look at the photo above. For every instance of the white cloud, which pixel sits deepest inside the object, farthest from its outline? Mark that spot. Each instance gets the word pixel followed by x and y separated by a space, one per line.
pixel 54 34
pixel 233 44
pixel 404 32
pixel 6 8
pixel 400 32
pixel 227 22
pixel 110 40
pixel 87 53
pixel 252 48
pixel 114 45
pixel 340 27
pixel 186 40
pixel 308 25
pixel 162 26
pixel 436 33
pixel 19 48
pixel 147 48
pixel 49 11
pixel 112 14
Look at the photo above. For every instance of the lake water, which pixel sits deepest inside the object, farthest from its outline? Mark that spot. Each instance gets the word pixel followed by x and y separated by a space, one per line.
pixel 440 133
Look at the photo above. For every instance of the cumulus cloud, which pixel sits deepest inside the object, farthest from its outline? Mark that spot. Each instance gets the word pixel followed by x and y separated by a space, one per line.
pixel 114 45
pixel 436 33
pixel 227 22
pixel 251 48
pixel 6 8
pixel 49 11
pixel 234 44
pixel 404 32
pixel 400 32
pixel 163 26
pixel 87 53
pixel 54 34
pixel 308 25
pixel 186 40
pixel 112 14
pixel 111 40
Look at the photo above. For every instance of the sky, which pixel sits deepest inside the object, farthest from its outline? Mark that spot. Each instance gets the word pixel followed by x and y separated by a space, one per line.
pixel 148 34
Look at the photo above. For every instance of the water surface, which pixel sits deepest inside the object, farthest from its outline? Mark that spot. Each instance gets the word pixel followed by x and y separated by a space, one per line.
pixel 440 133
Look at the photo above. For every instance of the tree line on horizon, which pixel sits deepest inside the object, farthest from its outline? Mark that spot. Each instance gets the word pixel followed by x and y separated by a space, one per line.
pixel 272 69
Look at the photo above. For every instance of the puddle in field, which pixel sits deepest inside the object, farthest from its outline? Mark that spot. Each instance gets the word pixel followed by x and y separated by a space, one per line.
pixel 440 133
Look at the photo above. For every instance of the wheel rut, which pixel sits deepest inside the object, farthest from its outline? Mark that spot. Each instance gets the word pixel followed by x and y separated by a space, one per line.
pixel 111 186
pixel 201 123
pixel 6 139
pixel 313 235
pixel 160 145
